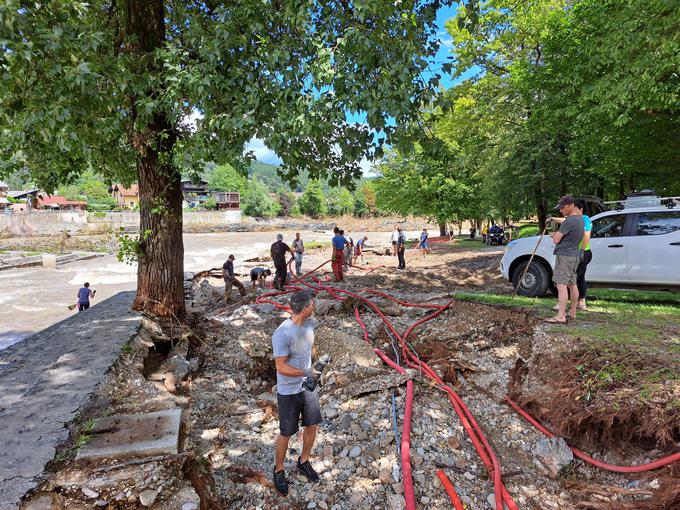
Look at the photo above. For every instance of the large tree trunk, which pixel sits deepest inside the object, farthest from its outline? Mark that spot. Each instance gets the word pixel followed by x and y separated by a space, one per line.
pixel 442 229
pixel 539 193
pixel 160 271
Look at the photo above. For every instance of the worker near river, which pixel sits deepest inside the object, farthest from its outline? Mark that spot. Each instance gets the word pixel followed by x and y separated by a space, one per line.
pixel 278 253
pixel 338 254
pixel 292 344
pixel 230 279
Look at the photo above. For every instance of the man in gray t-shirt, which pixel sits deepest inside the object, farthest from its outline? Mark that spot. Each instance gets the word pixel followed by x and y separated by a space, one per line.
pixel 567 240
pixel 292 346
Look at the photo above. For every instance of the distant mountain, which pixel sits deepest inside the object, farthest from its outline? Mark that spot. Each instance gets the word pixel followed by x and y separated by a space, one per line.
pixel 267 173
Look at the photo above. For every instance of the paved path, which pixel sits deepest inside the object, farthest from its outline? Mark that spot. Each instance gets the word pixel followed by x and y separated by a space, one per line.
pixel 46 379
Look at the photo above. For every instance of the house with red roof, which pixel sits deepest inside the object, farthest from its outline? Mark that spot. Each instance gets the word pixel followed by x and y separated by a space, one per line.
pixel 58 203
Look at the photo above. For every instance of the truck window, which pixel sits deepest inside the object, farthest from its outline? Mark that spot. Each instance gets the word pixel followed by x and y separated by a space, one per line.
pixel 658 223
pixel 609 226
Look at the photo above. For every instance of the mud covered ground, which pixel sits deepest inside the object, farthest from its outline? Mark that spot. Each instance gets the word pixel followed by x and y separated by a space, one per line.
pixel 608 382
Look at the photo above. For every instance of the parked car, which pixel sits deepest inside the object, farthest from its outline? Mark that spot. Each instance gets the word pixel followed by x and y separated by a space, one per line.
pixel 632 246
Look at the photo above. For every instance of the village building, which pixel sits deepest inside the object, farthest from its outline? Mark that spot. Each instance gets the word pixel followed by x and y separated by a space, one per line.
pixel 196 194
pixel 57 203
pixel 125 197
pixel 4 189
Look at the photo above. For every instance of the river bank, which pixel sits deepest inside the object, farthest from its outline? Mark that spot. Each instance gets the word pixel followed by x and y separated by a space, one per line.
pixel 34 298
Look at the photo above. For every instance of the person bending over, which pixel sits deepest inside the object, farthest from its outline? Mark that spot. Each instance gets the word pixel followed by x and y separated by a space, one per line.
pixel 258 276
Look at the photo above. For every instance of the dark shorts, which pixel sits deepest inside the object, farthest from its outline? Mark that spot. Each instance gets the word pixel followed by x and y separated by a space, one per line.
pixel 83 306
pixel 255 276
pixel 291 407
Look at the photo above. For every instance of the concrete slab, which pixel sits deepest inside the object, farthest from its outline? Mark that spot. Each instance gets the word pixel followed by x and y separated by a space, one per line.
pixel 134 435
pixel 46 379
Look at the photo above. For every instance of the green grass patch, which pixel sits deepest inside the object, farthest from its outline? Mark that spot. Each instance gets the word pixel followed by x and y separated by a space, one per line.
pixel 315 245
pixel 635 296
pixel 526 231
pixel 506 300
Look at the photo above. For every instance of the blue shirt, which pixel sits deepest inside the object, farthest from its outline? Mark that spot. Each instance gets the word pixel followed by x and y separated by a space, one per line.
pixel 339 242
pixel 84 295
pixel 587 227
pixel 423 237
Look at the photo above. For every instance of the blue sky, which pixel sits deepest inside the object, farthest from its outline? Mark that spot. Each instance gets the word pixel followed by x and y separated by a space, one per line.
pixel 266 155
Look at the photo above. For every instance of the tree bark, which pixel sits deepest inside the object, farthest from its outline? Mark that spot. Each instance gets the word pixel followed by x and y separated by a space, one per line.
pixel 160 271
pixel 539 194
pixel 442 229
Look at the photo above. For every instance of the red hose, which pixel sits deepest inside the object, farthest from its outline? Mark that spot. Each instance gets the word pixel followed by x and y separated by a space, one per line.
pixel 398 301
pixel 448 487
pixel 675 457
pixel 474 431
pixel 472 428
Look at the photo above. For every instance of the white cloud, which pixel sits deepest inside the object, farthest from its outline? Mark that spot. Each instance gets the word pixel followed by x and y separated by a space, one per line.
pixel 367 168
pixel 262 152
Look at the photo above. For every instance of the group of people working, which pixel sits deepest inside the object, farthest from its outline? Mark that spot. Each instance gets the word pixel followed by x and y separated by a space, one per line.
pixel 258 275
pixel 344 252
pixel 572 256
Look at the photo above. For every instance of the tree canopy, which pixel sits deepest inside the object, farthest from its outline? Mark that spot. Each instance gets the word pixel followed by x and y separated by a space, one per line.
pixel 112 86
pixel 554 96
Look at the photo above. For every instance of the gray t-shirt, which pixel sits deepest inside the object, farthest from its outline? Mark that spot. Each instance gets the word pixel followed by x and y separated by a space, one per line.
pixel 295 342
pixel 572 228
pixel 298 246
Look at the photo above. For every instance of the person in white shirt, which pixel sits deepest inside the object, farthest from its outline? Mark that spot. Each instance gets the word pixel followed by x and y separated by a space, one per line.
pixel 395 238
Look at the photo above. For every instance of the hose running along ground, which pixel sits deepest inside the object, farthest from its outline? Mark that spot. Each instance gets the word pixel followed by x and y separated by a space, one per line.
pixel 470 425
pixel 466 417
pixel 675 457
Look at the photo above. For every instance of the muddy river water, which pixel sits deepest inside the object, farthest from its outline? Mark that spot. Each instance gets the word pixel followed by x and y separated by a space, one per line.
pixel 34 298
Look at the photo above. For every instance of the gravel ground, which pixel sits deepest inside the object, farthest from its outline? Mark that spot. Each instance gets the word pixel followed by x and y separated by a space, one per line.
pixel 230 417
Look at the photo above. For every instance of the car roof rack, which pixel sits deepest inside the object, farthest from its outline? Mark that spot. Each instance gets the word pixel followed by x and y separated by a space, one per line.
pixel 644 198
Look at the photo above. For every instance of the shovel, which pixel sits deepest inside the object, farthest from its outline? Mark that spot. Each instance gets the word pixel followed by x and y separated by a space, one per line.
pixel 540 238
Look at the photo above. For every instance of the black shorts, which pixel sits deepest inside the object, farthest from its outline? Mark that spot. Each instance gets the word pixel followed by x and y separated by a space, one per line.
pixel 83 306
pixel 291 407
pixel 255 276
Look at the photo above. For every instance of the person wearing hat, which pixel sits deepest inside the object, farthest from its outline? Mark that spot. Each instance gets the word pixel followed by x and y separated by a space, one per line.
pixel 567 246
pixel 230 279
pixel 278 252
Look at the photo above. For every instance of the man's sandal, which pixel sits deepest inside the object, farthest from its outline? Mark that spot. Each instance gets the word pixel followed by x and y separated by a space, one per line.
pixel 554 320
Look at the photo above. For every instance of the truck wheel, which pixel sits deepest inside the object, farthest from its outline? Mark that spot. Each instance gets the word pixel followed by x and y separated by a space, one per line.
pixel 535 282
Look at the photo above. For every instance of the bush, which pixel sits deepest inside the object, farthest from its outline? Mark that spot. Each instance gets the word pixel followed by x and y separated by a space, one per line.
pixel 313 201
pixel 226 178
pixel 210 203
pixel 340 201
pixel 527 231
pixel 287 202
pixel 255 200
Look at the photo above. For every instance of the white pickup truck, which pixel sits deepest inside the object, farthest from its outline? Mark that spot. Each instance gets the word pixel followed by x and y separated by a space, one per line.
pixel 633 246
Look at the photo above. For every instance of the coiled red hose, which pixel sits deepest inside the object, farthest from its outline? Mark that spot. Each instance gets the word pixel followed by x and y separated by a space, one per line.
pixel 675 457
pixel 473 430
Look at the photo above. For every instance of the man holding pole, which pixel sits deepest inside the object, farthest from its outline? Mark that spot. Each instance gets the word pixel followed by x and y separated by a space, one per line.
pixel 567 240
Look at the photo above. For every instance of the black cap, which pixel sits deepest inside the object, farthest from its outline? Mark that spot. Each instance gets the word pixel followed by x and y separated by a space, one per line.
pixel 565 200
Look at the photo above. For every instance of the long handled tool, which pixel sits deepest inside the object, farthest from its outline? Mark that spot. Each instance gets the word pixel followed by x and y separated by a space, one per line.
pixel 526 268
